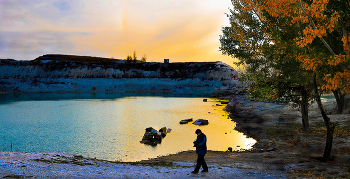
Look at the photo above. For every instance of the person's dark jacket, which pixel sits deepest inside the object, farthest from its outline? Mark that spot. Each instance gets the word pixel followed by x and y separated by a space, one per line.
pixel 201 144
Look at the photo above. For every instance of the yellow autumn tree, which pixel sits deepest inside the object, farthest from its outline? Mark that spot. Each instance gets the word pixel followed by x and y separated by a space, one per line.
pixel 268 55
pixel 323 37
pixel 317 21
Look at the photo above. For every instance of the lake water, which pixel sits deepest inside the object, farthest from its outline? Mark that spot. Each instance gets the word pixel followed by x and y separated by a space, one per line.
pixel 111 126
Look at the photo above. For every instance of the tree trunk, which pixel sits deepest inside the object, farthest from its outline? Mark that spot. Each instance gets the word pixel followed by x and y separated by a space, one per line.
pixel 329 125
pixel 304 109
pixel 339 97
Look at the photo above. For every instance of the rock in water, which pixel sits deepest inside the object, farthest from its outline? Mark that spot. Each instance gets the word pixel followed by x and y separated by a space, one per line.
pixel 185 121
pixel 201 122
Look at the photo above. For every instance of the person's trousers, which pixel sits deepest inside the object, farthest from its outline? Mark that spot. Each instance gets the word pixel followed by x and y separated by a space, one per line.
pixel 201 163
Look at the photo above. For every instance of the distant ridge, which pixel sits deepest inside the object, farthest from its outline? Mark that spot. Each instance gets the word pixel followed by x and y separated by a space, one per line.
pixel 72 73
pixel 74 58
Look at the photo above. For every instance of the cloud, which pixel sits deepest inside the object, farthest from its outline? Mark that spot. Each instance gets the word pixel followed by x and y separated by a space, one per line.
pixel 113 28
pixel 22 45
pixel 62 6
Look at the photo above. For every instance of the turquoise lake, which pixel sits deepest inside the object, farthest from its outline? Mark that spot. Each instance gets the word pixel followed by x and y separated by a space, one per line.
pixel 111 126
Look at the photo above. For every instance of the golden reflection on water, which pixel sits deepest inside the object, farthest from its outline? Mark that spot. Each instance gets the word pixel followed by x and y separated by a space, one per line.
pixel 142 112
pixel 112 128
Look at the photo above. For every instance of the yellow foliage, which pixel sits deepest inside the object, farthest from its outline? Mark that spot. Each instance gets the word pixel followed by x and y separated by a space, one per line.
pixel 346 40
pixel 308 62
pixel 337 59
pixel 339 80
pixel 293 12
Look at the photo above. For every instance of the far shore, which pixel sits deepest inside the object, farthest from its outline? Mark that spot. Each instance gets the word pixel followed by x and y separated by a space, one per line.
pixel 30 92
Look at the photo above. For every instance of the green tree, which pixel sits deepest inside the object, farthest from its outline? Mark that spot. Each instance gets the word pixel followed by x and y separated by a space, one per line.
pixel 128 59
pixel 134 57
pixel 313 33
pixel 144 58
pixel 338 41
pixel 270 65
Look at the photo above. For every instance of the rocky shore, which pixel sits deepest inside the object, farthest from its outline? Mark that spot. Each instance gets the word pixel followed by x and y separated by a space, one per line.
pixel 283 150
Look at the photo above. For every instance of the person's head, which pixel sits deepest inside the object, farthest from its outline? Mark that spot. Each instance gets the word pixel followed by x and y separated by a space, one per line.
pixel 198 131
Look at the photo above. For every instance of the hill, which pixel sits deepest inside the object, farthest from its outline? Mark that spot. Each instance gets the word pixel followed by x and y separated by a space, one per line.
pixel 69 73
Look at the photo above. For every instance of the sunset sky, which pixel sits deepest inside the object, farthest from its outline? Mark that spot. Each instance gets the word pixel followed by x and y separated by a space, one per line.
pixel 179 30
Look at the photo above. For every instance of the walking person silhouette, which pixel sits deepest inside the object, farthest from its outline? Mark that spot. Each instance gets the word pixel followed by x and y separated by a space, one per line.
pixel 201 150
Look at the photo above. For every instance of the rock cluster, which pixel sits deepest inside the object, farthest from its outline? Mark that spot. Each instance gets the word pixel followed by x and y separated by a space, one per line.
pixel 154 137
pixel 197 122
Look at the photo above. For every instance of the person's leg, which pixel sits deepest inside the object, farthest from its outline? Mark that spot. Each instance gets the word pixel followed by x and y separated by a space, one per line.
pixel 199 163
pixel 204 165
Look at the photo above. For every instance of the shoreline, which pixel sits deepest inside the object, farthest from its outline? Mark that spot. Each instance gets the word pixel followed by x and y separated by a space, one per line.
pixel 282 151
pixel 282 145
pixel 57 165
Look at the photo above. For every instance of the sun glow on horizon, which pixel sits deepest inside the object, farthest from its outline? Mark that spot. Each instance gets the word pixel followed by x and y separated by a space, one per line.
pixel 176 30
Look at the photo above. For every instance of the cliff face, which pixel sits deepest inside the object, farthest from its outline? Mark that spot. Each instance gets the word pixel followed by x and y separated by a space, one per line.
pixel 48 74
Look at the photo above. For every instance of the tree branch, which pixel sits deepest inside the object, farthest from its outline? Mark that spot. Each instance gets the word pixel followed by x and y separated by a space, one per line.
pixel 314 27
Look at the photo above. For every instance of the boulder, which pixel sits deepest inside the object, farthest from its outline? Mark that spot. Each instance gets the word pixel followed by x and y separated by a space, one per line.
pixel 163 130
pixel 185 121
pixel 201 122
pixel 154 137
pixel 149 129
pixel 147 136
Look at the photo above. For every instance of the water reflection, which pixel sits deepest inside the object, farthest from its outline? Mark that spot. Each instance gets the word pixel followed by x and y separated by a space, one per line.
pixel 111 128
pixel 13 97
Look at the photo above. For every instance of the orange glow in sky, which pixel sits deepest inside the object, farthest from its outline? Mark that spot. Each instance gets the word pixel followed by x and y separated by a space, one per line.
pixel 179 30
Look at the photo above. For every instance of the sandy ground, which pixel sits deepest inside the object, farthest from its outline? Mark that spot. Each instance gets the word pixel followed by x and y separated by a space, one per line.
pixel 58 165
pixel 283 151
